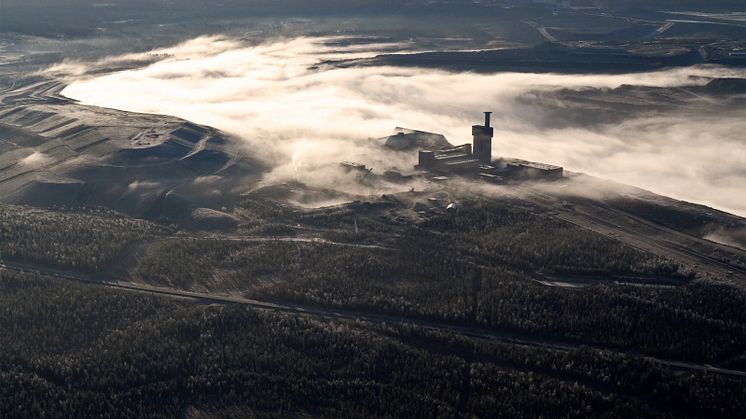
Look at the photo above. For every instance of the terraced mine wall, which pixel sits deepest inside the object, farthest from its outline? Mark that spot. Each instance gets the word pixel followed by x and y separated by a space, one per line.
pixel 54 151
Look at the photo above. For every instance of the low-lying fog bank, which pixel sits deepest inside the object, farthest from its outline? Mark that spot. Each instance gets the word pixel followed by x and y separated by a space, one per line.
pixel 304 118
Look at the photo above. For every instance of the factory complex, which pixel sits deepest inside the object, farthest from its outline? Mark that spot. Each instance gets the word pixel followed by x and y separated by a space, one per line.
pixel 440 159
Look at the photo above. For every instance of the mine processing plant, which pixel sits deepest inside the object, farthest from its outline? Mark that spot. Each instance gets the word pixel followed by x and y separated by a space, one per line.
pixel 476 159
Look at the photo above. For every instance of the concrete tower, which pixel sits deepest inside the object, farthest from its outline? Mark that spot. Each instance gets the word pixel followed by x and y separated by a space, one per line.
pixel 483 140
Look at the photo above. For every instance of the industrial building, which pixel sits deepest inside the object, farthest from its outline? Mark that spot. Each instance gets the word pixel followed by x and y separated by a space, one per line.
pixel 463 158
pixel 476 159
pixel 534 170
pixel 410 139
pixel 483 140
pixel 449 160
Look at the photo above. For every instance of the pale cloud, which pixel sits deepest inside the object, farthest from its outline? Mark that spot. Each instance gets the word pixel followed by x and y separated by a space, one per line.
pixel 303 118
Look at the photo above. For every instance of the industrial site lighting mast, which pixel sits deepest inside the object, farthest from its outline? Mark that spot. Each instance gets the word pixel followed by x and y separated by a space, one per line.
pixel 483 140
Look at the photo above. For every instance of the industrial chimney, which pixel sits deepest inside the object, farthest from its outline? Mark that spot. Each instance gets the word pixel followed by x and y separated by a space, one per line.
pixel 483 140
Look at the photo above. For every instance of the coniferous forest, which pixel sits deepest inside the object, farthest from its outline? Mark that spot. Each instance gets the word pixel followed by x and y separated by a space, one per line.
pixel 448 315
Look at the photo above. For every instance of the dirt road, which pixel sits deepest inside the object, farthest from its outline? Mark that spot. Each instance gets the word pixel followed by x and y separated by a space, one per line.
pixel 347 315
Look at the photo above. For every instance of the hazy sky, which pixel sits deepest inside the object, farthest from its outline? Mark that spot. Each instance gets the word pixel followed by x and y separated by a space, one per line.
pixel 306 119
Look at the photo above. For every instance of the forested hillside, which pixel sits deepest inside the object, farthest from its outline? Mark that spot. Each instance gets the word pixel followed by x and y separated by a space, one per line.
pixel 88 241
pixel 632 335
pixel 84 351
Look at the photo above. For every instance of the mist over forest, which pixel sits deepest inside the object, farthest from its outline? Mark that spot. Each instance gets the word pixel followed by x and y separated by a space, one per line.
pixel 301 119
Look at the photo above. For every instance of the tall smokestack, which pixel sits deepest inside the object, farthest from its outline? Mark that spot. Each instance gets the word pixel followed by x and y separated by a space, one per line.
pixel 483 140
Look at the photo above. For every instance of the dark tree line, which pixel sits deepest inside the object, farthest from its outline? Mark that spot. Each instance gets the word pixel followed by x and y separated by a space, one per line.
pixel 149 357
pixel 475 267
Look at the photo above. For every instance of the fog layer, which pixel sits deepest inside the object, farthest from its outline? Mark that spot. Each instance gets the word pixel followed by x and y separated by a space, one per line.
pixel 304 118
